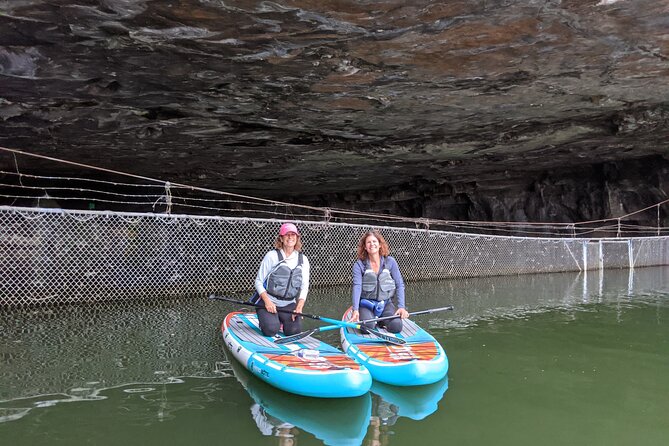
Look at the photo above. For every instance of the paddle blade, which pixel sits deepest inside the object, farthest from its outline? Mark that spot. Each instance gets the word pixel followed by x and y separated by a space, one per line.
pixel 386 337
pixel 296 337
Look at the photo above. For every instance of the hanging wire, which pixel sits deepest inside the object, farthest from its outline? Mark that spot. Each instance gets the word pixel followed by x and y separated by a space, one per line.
pixel 208 201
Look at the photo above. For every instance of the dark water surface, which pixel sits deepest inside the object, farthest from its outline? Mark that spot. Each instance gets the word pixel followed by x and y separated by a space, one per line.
pixel 537 359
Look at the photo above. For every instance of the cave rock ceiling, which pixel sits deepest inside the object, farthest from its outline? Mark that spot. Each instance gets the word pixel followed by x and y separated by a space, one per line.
pixel 306 99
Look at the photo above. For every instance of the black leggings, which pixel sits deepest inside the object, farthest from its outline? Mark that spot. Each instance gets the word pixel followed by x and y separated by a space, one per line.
pixel 391 325
pixel 270 323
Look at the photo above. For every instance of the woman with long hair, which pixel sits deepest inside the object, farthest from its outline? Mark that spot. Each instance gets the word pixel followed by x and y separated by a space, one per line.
pixel 376 283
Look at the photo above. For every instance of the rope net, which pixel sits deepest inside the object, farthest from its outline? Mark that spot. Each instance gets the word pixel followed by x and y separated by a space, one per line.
pixel 69 239
pixel 56 256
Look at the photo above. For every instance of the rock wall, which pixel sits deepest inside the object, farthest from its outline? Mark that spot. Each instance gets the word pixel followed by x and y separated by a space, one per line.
pixel 579 194
pixel 554 110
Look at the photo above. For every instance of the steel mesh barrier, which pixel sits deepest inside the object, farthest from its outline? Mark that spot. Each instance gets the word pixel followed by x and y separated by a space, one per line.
pixel 55 256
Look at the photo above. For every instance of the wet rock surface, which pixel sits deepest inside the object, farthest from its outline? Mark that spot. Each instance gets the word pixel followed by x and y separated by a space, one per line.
pixel 502 110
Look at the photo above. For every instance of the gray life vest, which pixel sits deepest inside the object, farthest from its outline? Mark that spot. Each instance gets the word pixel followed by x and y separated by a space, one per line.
pixel 284 283
pixel 377 286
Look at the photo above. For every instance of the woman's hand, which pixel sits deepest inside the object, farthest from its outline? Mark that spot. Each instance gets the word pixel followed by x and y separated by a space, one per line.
pixel 298 308
pixel 403 313
pixel 355 316
pixel 269 305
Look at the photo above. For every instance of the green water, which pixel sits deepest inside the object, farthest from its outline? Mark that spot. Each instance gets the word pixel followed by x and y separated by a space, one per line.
pixel 543 359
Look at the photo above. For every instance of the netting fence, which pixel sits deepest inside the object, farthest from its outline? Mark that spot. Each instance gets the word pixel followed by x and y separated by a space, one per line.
pixel 58 256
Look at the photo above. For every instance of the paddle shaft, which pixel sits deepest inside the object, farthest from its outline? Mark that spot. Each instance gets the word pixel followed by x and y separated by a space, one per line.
pixel 292 338
pixel 389 338
pixel 415 313
pixel 304 334
pixel 336 322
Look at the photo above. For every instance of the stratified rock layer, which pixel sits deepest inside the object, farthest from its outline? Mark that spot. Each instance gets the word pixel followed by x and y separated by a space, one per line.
pixel 504 110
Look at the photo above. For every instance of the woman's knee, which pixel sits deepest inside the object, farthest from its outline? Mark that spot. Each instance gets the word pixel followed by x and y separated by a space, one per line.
pixel 371 325
pixel 269 324
pixel 292 329
pixel 269 329
pixel 394 325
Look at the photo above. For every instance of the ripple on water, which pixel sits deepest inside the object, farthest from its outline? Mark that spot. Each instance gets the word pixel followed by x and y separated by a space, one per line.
pixel 140 390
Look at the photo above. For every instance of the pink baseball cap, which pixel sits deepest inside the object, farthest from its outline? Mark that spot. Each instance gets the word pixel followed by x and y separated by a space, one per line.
pixel 288 227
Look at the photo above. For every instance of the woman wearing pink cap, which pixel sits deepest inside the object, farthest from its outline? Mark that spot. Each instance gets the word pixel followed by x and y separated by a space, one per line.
pixel 282 281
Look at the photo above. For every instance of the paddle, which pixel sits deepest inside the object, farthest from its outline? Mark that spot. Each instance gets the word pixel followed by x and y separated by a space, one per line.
pixel 313 331
pixel 296 337
pixel 304 334
pixel 335 322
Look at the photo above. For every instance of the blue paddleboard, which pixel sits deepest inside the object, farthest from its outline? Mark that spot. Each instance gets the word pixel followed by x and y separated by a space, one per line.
pixel 421 360
pixel 307 367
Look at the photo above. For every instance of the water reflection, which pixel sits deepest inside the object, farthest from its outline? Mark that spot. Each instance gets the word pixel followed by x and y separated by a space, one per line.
pixel 392 402
pixel 66 349
pixel 178 411
pixel 123 370
pixel 412 402
pixel 63 350
pixel 337 422
pixel 486 298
